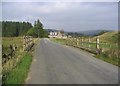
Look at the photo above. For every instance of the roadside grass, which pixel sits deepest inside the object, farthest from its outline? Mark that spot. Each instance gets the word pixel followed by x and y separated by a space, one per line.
pixel 20 72
pixel 16 69
pixel 61 41
pixel 6 42
pixel 106 58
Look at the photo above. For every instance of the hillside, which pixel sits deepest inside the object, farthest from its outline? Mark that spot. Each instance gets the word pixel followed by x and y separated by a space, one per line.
pixel 81 33
pixel 51 30
pixel 109 37
pixel 93 32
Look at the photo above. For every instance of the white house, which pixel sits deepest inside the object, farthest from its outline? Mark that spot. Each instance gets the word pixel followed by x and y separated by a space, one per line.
pixel 57 35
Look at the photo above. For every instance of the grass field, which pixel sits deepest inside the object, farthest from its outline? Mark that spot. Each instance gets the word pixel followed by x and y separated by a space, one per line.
pixel 61 41
pixel 7 41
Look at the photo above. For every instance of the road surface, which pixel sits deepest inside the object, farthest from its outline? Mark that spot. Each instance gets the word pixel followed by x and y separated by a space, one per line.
pixel 59 64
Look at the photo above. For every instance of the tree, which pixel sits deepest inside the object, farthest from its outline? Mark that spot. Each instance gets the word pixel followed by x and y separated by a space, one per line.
pixel 38 26
pixel 13 29
pixel 32 32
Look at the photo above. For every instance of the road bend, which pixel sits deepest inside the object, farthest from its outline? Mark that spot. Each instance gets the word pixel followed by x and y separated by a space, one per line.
pixel 60 64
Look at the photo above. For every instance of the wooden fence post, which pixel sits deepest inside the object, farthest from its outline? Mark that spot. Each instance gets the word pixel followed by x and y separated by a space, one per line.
pixel 24 43
pixel 26 39
pixel 82 41
pixel 68 41
pixel 97 42
pixel 77 41
pixel 89 42
pixel 72 41
pixel 27 42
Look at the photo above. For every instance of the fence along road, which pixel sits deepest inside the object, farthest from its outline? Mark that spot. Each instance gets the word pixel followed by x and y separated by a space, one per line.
pixel 59 64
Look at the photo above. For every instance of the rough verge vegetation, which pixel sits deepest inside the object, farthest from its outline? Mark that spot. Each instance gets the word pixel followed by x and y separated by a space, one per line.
pixel 16 68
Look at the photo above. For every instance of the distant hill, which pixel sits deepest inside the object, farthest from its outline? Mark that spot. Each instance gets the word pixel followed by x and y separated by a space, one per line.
pixel 51 30
pixel 76 34
pixel 82 33
pixel 105 35
pixel 93 32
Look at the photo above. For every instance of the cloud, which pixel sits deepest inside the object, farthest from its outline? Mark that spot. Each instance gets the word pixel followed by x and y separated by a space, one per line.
pixel 71 16
pixel 60 0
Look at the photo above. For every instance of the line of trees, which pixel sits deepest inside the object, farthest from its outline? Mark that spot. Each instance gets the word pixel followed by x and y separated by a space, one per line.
pixel 11 29
pixel 37 30
pixel 14 29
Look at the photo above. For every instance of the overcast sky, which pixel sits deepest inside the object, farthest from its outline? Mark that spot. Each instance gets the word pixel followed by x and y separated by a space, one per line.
pixel 70 16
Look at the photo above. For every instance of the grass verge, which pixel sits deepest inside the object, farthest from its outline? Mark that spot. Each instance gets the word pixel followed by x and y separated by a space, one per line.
pixel 61 41
pixel 106 58
pixel 20 72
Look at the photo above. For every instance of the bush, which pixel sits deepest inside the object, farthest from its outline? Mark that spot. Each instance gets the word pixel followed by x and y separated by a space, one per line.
pixel 32 32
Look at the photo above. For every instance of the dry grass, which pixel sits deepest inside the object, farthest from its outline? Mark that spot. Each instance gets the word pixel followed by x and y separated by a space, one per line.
pixel 108 37
pixel 17 67
pixel 7 41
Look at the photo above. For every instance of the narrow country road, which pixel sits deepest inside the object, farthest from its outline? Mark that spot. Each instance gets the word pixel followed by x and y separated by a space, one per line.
pixel 59 64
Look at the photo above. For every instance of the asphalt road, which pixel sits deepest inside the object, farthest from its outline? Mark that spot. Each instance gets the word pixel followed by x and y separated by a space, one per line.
pixel 59 64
